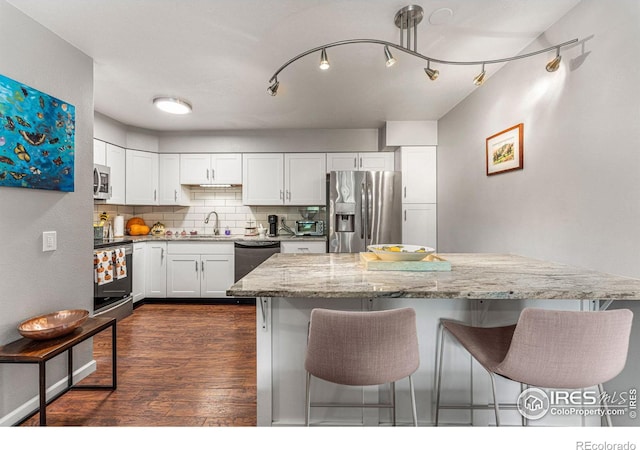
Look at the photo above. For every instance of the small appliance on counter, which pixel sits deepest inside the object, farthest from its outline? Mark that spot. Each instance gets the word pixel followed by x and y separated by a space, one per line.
pixel 273 225
pixel 309 228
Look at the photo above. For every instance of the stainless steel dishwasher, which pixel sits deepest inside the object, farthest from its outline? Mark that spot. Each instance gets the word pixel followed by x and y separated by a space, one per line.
pixel 250 254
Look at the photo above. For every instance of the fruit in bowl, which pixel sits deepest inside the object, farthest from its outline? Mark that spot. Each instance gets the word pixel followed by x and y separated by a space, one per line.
pixel 400 252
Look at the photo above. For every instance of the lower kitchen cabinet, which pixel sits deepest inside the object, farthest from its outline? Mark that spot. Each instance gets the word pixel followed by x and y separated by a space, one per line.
pixel 199 270
pixel 156 270
pixel 301 246
pixel 139 271
pixel 419 224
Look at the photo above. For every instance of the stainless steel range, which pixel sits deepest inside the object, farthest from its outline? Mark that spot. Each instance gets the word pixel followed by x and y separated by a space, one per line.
pixel 113 278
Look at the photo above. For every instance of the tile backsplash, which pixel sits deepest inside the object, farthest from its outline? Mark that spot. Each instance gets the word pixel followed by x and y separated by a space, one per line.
pixel 227 202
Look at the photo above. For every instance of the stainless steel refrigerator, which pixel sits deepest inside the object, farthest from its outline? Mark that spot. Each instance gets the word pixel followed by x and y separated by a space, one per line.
pixel 364 209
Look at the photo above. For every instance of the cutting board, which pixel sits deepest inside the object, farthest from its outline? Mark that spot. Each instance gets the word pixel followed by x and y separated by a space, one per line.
pixel 372 262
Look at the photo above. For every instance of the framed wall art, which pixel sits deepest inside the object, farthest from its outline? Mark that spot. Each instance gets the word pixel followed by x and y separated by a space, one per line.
pixel 37 136
pixel 505 150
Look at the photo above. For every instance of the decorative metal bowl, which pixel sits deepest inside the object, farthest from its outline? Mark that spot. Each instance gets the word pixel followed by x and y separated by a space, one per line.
pixel 53 325
pixel 400 252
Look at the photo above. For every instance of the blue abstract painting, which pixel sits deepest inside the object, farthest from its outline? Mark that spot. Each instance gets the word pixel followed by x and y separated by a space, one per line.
pixel 37 133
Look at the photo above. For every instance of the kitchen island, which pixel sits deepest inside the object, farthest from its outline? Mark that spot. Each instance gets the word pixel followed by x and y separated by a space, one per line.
pixel 486 289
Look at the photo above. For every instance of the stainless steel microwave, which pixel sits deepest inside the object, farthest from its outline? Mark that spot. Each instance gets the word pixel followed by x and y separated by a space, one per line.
pixel 309 228
pixel 101 182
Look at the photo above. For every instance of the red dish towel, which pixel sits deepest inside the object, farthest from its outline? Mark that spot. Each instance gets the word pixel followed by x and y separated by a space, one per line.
pixel 103 266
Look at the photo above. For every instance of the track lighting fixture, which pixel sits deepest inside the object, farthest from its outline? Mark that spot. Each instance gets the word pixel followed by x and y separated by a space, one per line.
pixel 407 19
pixel 273 89
pixel 479 79
pixel 324 61
pixel 389 57
pixel 431 73
pixel 554 64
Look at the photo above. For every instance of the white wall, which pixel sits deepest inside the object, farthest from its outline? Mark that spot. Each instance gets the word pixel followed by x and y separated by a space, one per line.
pixel 250 141
pixel 33 282
pixel 577 200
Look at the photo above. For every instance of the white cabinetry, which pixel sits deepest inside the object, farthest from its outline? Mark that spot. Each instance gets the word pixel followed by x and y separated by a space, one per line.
pixel 419 224
pixel 156 270
pixel 142 178
pixel 419 194
pixel 360 161
pixel 99 152
pixel 114 157
pixel 303 246
pixel 139 271
pixel 284 179
pixel 206 168
pixel 199 270
pixel 170 191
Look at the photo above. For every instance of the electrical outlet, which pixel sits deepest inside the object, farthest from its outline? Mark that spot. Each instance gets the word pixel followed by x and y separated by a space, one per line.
pixel 49 241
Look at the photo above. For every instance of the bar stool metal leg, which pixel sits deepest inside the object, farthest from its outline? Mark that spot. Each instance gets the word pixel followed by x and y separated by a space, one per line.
pixel 413 402
pixel 307 397
pixel 439 373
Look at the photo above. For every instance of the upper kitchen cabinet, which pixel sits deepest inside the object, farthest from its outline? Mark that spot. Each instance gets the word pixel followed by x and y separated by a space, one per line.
pixel 142 178
pixel 305 176
pixel 170 191
pixel 114 157
pixel 207 168
pixel 284 179
pixel 99 152
pixel 419 180
pixel 360 161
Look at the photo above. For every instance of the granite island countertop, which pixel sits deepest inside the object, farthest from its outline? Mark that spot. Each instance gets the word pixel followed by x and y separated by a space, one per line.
pixel 478 276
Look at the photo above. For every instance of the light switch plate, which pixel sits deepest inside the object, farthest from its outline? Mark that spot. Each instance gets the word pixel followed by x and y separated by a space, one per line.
pixel 49 241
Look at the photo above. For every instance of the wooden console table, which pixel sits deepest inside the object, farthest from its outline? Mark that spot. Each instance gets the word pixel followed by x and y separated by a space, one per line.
pixel 28 351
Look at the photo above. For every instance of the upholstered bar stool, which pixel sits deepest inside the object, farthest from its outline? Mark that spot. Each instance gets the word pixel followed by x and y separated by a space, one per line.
pixel 358 348
pixel 546 349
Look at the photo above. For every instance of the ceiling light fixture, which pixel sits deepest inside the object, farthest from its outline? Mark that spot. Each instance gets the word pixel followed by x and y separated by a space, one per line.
pixel 324 61
pixel 479 79
pixel 172 105
pixel 554 64
pixel 431 73
pixel 407 19
pixel 389 57
pixel 273 89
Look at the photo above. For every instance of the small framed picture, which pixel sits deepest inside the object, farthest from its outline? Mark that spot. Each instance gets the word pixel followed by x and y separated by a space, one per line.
pixel 505 150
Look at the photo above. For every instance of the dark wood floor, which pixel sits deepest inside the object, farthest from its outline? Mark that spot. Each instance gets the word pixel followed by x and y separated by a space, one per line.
pixel 178 365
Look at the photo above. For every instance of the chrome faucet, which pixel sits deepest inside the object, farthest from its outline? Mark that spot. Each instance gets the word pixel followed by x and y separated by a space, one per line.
pixel 215 228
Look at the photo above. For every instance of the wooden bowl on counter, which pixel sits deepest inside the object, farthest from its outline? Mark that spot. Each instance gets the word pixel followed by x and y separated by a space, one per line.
pixel 53 325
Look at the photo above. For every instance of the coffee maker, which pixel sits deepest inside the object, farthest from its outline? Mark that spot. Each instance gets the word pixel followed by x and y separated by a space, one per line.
pixel 273 225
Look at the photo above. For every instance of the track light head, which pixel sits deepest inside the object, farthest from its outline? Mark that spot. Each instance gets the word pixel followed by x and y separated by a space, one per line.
pixel 431 73
pixel 324 61
pixel 479 79
pixel 554 64
pixel 389 57
pixel 273 89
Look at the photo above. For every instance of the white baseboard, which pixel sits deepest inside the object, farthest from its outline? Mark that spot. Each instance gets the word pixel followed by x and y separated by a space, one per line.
pixel 15 416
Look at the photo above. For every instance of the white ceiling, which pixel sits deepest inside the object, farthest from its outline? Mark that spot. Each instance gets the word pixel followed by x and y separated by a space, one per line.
pixel 220 54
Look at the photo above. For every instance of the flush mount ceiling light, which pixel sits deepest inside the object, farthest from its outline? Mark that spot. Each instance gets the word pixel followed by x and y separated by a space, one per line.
pixel 407 20
pixel 172 105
